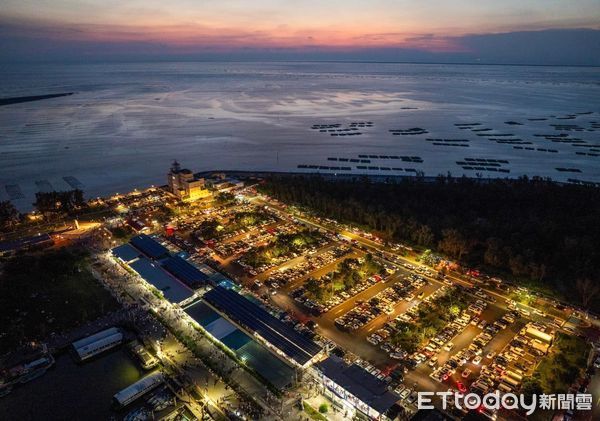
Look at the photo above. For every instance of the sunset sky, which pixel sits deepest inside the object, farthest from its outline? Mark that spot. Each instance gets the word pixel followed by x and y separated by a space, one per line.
pixel 184 27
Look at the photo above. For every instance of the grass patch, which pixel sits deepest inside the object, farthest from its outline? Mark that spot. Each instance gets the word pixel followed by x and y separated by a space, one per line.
pixel 432 318
pixel 558 370
pixel 216 229
pixel 347 274
pixel 313 413
pixel 157 293
pixel 282 248
pixel 49 292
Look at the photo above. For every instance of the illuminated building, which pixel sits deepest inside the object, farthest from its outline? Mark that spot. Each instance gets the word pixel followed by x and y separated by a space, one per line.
pixel 184 185
pixel 353 388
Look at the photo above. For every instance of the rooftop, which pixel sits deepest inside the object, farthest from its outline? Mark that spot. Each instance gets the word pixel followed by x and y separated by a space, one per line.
pixel 26 242
pixel 172 289
pixel 95 337
pixel 126 252
pixel 124 396
pixel 360 383
pixel 149 246
pixel 248 314
pixel 185 271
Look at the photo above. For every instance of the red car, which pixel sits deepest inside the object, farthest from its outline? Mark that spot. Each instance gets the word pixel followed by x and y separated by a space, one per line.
pixel 461 387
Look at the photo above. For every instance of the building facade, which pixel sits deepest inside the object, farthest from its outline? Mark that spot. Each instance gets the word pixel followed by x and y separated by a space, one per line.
pixel 353 388
pixel 184 185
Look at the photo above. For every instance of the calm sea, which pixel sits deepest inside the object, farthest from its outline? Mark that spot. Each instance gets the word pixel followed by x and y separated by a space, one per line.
pixel 126 122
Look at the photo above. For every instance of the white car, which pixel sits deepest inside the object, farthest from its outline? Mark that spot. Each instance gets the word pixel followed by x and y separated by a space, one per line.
pixel 372 340
pixel 477 360
pixel 448 346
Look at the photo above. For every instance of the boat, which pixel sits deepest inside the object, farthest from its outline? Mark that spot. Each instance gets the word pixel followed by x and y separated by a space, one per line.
pixel 97 343
pixel 36 368
pixel 146 360
pixel 25 366
pixel 138 389
pixel 160 400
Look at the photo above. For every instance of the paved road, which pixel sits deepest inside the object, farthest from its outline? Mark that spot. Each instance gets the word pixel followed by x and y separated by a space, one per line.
pixel 545 304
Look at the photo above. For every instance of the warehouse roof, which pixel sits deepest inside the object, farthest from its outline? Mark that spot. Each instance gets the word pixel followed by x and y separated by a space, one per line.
pixel 149 246
pixel 172 289
pixel 27 242
pixel 283 337
pixel 126 252
pixel 185 271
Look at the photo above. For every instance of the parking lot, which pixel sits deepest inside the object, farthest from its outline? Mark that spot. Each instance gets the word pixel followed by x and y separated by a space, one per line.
pixel 481 350
pixel 405 323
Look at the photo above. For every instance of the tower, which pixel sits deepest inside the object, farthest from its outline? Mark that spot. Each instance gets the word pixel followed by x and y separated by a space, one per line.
pixel 184 185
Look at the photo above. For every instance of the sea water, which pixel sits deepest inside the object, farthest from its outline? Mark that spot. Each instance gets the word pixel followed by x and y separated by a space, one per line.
pixel 126 122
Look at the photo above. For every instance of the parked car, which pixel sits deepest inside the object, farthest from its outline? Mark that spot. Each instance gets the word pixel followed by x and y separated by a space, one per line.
pixel 412 398
pixel 448 346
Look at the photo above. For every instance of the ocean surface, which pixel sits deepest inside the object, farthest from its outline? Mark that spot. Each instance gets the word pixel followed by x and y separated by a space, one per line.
pixel 127 122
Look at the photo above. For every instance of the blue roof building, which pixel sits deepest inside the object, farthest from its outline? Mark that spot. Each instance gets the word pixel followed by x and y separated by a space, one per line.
pixel 276 334
pixel 126 252
pixel 149 246
pixel 173 290
pixel 184 270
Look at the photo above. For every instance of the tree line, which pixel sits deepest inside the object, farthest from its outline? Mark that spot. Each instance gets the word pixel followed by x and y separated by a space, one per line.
pixel 532 229
pixel 49 204
pixel 59 202
pixel 9 216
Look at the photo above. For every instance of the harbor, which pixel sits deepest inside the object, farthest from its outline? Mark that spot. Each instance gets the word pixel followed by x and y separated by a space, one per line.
pixel 21 368
pixel 102 376
pixel 110 386
pixel 70 390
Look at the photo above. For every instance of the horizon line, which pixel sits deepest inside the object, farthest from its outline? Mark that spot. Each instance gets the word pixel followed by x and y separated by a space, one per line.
pixel 276 60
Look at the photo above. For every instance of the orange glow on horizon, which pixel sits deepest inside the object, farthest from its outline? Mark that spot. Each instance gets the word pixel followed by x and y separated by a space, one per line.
pixel 191 36
pixel 189 25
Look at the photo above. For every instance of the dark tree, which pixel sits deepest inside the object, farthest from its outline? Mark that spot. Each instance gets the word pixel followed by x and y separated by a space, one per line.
pixel 59 202
pixel 9 216
pixel 530 229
